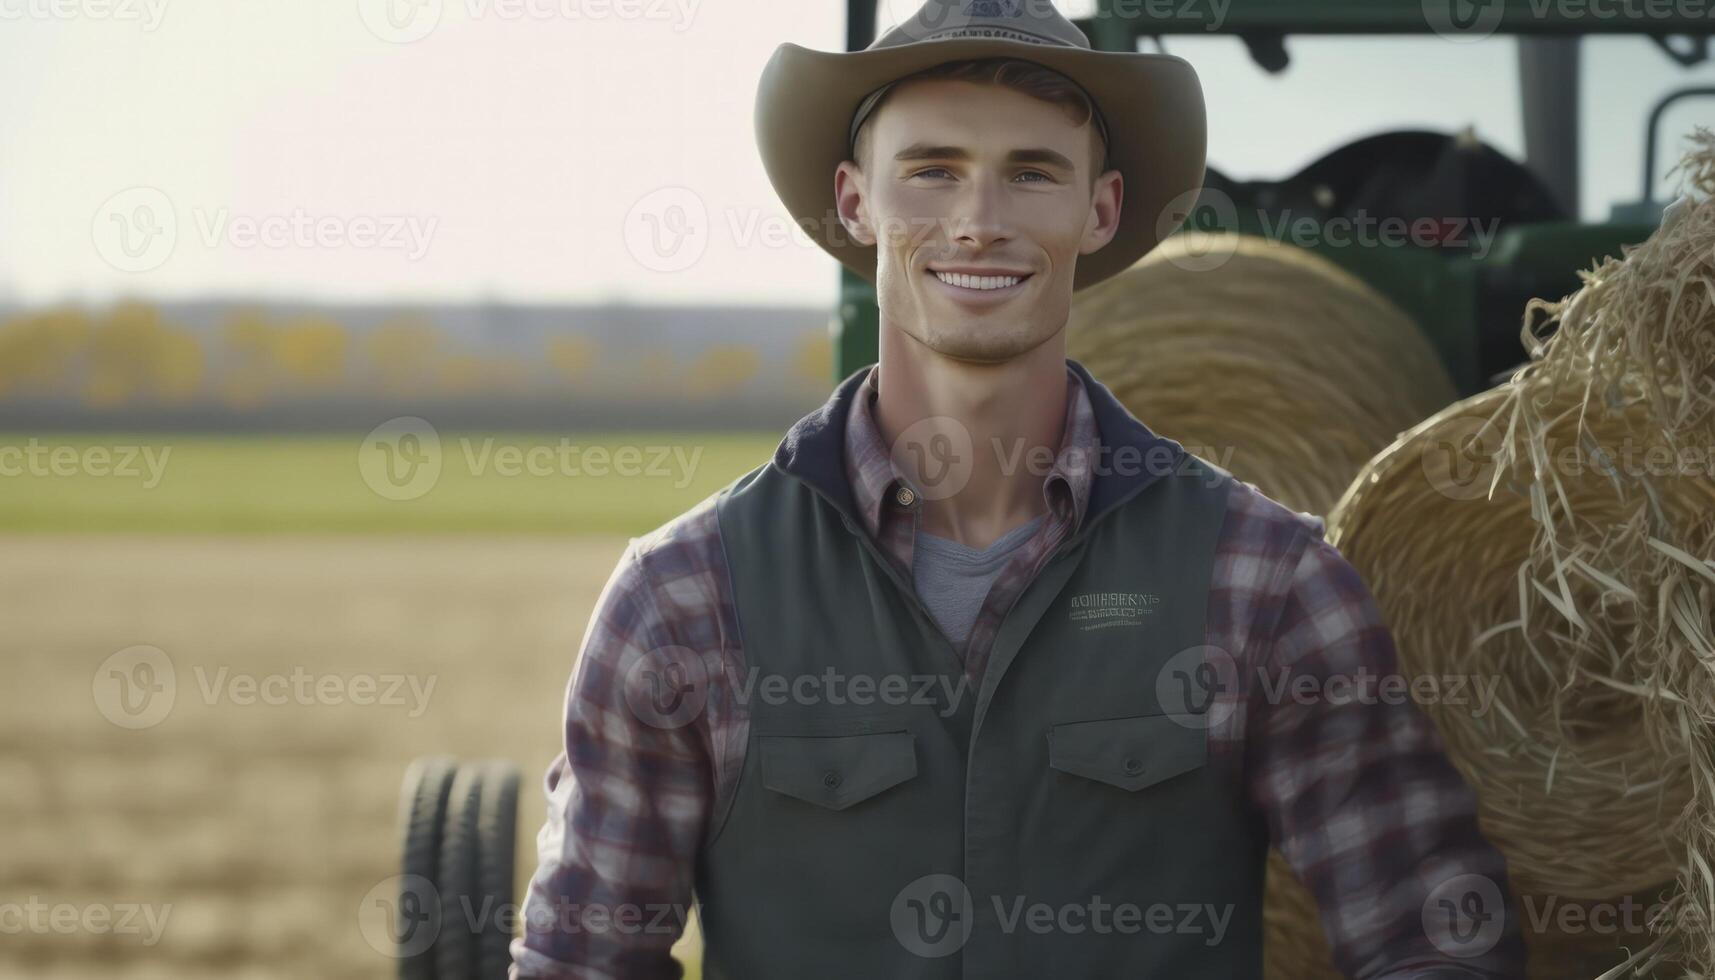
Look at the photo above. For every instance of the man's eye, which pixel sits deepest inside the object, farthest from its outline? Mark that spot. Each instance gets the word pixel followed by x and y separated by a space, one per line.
pixel 927 171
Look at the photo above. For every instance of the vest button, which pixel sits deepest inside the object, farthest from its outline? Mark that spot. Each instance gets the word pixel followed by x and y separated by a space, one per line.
pixel 831 779
pixel 905 495
pixel 1133 766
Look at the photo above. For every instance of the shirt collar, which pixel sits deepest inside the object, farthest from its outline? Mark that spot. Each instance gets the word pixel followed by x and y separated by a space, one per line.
pixel 874 477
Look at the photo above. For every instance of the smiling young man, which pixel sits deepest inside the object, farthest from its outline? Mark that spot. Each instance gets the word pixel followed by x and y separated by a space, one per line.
pixel 978 676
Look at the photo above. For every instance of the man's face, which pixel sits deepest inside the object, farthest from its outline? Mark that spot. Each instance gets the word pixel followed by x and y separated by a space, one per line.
pixel 978 179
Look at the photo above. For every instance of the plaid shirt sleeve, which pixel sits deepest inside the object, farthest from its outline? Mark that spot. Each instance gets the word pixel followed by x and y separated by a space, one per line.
pixel 630 794
pixel 1359 794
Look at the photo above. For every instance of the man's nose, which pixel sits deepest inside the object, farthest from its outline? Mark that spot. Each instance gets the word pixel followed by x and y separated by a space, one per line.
pixel 980 217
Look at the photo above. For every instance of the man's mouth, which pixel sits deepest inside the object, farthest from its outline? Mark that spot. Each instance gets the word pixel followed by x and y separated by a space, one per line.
pixel 977 283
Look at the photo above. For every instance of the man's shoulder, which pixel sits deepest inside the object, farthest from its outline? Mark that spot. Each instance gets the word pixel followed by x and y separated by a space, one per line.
pixel 1263 540
pixel 691 539
pixel 1262 515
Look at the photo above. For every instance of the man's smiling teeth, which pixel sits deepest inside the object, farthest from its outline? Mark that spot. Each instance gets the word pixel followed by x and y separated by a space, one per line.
pixel 977 282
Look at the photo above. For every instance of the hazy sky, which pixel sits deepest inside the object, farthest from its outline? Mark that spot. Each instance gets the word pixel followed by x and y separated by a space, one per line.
pixel 532 150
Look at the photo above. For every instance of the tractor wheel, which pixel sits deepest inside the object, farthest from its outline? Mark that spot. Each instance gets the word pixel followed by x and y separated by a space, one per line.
pixel 497 834
pixel 455 945
pixel 460 829
pixel 423 805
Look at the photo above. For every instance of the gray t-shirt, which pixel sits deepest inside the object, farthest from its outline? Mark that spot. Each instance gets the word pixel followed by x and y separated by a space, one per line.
pixel 953 579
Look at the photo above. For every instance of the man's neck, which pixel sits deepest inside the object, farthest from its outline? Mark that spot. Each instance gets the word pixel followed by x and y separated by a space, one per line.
pixel 1014 413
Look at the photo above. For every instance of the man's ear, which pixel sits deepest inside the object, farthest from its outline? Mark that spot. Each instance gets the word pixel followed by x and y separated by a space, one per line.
pixel 851 199
pixel 1104 220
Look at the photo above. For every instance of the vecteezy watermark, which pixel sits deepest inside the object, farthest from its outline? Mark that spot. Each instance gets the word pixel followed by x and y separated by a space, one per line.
pixel 937 456
pixel 402 459
pixel 1200 687
pixel 667 687
pixel 1627 916
pixel 405 21
pixel 1459 460
pixel 148 13
pixel 137 687
pixel 137 230
pixel 402 915
pixel 122 462
pixel 1464 21
pixel 36 917
pixel 1465 915
pixel 1213 211
pixel 932 916
pixel 670 229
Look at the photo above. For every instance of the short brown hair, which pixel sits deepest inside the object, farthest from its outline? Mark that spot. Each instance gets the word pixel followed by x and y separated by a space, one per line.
pixel 1027 77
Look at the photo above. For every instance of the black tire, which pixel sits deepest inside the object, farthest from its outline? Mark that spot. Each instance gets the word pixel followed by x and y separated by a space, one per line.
pixel 461 903
pixel 497 835
pixel 422 809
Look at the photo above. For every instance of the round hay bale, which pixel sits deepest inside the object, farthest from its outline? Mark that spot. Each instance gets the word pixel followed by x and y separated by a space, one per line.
pixel 1568 784
pixel 1641 329
pixel 1266 359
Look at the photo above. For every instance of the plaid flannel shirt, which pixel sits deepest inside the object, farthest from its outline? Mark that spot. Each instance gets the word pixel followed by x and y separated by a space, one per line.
pixel 1358 795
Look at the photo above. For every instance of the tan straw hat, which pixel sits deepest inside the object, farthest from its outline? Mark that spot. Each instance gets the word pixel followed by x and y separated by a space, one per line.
pixel 807 107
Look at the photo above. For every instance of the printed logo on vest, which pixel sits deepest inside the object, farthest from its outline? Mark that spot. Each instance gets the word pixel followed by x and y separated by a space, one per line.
pixel 1104 610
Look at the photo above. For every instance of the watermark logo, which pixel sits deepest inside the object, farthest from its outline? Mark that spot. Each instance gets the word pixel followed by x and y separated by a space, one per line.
pixel 1207 210
pixel 932 916
pixel 148 464
pixel 667 230
pixel 1464 916
pixel 149 13
pixel 400 21
pixel 136 687
pixel 401 916
pixel 1463 21
pixel 400 459
pixel 136 229
pixel 1196 686
pixel 936 455
pixel 666 687
pixel 101 919
pixel 1460 461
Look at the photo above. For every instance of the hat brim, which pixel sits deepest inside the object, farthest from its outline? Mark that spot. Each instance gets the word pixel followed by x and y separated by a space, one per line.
pixel 1153 104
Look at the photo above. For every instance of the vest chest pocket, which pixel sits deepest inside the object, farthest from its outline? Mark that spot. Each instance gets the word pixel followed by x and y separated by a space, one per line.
pixel 836 771
pixel 1130 753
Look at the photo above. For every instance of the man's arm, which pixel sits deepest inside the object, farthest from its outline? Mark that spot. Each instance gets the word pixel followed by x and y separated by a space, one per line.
pixel 628 799
pixel 1360 796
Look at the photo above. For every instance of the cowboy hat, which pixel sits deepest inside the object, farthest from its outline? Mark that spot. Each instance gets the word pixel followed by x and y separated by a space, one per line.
pixel 808 104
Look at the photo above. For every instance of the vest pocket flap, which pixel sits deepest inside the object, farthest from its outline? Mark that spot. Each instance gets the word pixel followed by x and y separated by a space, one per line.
pixel 836 771
pixel 1130 753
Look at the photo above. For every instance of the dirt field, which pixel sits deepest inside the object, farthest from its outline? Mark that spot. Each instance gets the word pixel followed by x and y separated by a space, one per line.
pixel 249 833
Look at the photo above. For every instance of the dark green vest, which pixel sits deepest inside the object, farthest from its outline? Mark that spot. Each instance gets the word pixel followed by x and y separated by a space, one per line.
pixel 1058 819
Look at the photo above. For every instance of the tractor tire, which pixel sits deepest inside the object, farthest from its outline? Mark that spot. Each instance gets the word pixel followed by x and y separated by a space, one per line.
pixel 497 835
pixel 423 806
pixel 455 949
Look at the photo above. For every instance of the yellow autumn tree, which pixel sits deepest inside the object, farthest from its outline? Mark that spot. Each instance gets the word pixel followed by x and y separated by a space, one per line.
pixel 39 351
pixel 722 369
pixel 134 356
